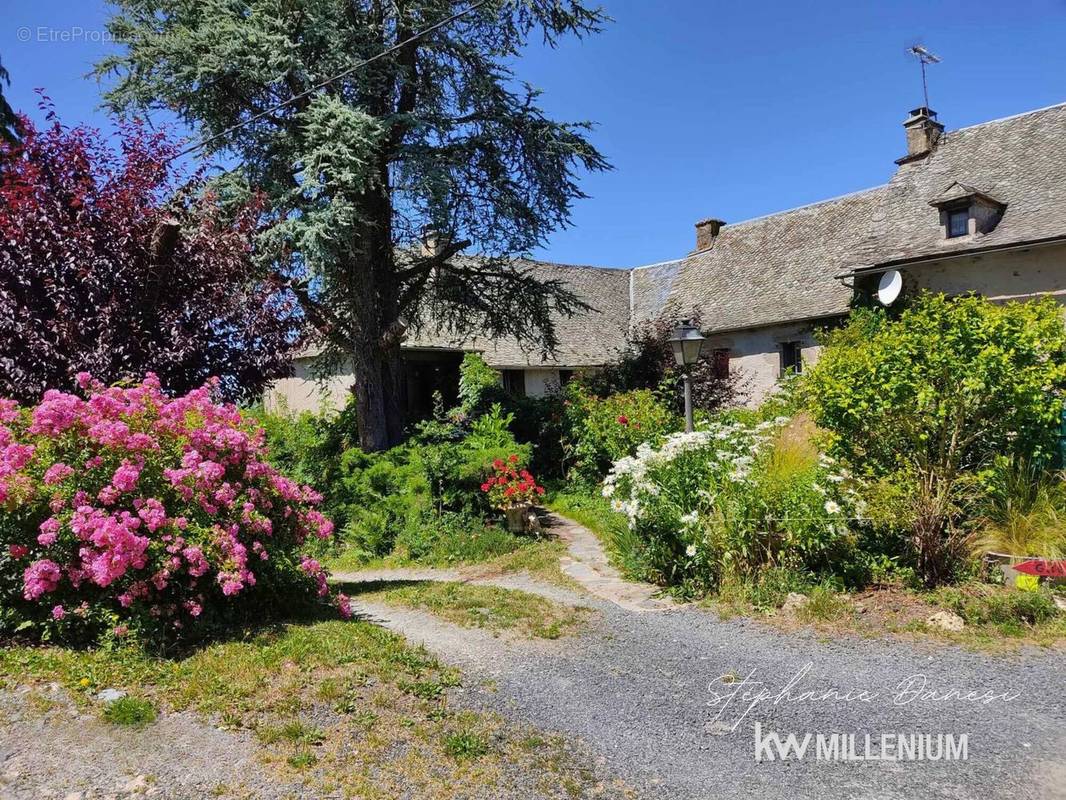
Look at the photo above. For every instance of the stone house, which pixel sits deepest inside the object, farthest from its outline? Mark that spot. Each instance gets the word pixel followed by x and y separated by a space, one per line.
pixel 978 209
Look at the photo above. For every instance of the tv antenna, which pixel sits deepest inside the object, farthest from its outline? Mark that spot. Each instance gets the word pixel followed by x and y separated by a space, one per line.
pixel 924 57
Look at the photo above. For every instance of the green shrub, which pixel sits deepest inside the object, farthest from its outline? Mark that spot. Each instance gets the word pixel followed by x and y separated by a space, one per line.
pixel 541 421
pixel 479 385
pixel 600 431
pixel 924 401
pixel 423 496
pixel 648 362
pixel 453 538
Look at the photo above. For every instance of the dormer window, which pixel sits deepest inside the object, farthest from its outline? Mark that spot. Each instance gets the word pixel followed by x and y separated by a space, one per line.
pixel 958 222
pixel 966 211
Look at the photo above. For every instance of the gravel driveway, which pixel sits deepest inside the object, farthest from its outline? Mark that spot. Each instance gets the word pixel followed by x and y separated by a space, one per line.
pixel 644 690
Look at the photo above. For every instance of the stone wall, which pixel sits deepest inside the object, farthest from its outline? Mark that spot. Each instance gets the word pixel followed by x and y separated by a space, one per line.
pixel 1011 275
pixel 755 355
pixel 302 393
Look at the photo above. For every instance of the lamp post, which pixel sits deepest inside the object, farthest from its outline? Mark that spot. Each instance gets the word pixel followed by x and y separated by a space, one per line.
pixel 686 342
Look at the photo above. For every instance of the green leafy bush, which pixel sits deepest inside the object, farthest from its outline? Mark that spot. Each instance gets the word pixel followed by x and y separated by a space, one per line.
pixel 423 496
pixel 480 386
pixel 452 539
pixel 923 403
pixel 648 362
pixel 602 430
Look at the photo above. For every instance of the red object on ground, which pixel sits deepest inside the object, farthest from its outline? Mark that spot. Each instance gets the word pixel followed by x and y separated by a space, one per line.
pixel 1043 567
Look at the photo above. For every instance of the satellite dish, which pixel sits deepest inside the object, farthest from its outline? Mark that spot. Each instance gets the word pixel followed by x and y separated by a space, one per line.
pixel 889 287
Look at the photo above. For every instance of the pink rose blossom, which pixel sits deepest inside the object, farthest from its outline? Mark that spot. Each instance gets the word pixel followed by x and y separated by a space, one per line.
pixel 57 473
pixel 126 477
pixel 40 578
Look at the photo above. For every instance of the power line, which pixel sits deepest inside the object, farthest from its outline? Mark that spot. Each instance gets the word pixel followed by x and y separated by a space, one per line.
pixel 267 112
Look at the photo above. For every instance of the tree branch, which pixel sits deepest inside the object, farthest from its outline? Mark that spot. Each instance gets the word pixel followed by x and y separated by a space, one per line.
pixel 426 265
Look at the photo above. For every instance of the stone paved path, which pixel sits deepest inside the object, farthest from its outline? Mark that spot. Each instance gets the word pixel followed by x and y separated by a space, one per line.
pixel 587 564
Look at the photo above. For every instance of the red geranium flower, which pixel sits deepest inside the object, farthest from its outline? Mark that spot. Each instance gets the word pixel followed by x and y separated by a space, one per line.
pixel 623 419
pixel 510 486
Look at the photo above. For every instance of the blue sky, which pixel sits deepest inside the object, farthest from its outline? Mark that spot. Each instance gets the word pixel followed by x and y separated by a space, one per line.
pixel 731 110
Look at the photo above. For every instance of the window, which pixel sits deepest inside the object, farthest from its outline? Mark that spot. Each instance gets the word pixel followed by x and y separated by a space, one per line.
pixel 514 382
pixel 791 358
pixel 565 376
pixel 958 222
pixel 720 363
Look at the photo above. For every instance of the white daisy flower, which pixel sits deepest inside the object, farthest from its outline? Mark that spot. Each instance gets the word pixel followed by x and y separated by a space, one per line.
pixel 831 507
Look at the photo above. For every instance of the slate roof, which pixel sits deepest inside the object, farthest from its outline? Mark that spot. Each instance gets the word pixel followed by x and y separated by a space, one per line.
pixel 785 267
pixel 781 267
pixel 650 289
pixel 1020 161
pixel 958 190
pixel 589 338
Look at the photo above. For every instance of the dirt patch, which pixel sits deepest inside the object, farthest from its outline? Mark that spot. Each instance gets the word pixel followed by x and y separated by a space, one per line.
pixel 49 747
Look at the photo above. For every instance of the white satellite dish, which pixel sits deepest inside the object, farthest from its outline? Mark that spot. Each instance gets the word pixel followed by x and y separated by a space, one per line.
pixel 889 287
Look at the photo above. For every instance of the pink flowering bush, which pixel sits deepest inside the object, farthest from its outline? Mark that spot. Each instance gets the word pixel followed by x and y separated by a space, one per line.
pixel 128 513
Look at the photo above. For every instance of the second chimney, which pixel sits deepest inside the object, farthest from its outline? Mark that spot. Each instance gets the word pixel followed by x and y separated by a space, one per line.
pixel 431 241
pixel 923 132
pixel 707 231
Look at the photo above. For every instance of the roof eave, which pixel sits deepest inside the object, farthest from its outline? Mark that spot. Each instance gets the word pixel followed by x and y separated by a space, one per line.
pixel 884 266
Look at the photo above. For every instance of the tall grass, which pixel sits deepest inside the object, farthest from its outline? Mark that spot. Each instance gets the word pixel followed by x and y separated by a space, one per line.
pixel 1025 513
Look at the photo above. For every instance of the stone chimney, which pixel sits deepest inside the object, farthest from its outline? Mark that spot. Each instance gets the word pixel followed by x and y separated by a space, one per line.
pixel 923 132
pixel 432 241
pixel 707 231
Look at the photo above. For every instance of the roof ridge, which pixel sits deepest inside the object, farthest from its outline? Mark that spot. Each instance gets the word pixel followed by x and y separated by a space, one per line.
pixel 543 263
pixel 656 264
pixel 784 211
pixel 1008 118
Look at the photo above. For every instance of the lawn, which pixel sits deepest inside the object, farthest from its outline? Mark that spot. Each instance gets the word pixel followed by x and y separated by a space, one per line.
pixel 537 557
pixel 489 607
pixel 339 705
